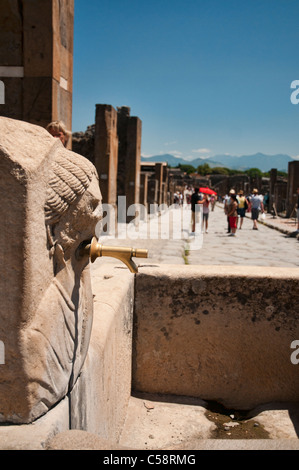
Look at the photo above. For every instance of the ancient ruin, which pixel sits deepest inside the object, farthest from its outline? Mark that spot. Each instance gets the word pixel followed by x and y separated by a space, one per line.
pixel 79 341
pixel 36 60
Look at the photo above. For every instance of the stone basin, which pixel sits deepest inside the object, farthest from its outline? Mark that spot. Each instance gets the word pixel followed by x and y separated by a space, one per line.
pixel 201 335
pixel 168 342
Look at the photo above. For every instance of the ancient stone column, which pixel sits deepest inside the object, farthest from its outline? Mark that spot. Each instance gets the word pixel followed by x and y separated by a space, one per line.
pixel 106 155
pixel 133 160
pixel 129 130
pixel 159 178
pixel 166 184
pixel 50 204
pixel 143 189
pixel 36 60
pixel 273 179
pixel 152 194
pixel 293 184
pixel 280 196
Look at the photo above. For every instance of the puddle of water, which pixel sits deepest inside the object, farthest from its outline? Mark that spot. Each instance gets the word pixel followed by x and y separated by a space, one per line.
pixel 232 424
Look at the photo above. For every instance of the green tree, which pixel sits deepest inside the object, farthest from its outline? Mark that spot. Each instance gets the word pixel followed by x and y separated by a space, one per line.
pixel 186 168
pixel 204 169
pixel 254 172
pixel 219 171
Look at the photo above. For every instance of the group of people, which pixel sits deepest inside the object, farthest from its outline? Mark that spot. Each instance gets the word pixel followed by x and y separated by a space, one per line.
pixel 235 207
pixel 178 198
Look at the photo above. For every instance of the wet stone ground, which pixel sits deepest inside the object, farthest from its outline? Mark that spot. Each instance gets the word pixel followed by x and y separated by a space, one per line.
pixel 232 424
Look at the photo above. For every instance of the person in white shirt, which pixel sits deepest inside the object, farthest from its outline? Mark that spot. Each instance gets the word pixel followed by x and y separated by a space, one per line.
pixel 257 206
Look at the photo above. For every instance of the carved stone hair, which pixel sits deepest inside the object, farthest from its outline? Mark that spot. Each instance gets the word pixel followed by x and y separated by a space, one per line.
pixel 70 177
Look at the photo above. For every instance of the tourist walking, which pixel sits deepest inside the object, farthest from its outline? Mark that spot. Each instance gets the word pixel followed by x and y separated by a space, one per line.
pixel 213 201
pixel 227 199
pixel 242 207
pixel 257 206
pixel 205 213
pixel 195 199
pixel 232 214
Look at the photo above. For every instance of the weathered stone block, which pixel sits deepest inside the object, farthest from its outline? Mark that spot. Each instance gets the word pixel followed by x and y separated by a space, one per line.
pixel 51 202
pixel 37 38
pixel 38 56
pixel 37 100
pixel 11 36
pixel 217 333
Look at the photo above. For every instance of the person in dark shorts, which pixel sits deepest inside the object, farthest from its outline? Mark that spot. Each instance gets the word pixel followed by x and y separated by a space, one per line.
pixel 242 206
pixel 257 206
pixel 195 199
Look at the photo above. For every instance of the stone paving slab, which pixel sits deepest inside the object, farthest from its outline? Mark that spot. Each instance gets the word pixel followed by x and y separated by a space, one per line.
pixel 183 423
pixel 283 225
pixel 271 245
pixel 262 247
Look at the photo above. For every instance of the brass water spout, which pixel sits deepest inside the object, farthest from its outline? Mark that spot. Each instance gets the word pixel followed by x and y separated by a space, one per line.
pixel 124 254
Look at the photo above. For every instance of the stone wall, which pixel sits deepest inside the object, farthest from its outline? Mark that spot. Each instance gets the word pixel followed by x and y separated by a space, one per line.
pixel 221 334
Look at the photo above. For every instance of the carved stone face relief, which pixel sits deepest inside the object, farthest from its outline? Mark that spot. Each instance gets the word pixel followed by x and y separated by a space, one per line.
pixel 51 204
pixel 58 337
pixel 73 206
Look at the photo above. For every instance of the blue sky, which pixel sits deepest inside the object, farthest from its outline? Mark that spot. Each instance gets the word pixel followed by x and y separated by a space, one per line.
pixel 206 77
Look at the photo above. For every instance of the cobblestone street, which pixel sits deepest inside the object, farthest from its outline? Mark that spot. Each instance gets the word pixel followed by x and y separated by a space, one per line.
pixel 271 245
pixel 263 247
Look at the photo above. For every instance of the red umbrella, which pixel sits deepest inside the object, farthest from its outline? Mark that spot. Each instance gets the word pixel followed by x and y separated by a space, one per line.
pixel 207 191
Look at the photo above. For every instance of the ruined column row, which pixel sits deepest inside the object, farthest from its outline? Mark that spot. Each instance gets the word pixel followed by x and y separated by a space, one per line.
pixel 117 158
pixel 283 192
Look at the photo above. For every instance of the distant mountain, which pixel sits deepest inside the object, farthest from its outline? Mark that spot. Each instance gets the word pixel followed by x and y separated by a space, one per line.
pixel 175 161
pixel 259 160
pixel 170 159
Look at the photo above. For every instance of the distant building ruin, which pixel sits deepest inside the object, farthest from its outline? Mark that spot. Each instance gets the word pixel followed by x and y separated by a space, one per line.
pixel 36 60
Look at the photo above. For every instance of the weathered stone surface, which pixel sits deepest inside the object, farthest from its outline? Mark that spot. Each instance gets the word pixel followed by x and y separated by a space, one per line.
pixel 100 397
pixel 129 130
pixel 36 435
pixel 219 333
pixel 51 202
pixel 144 190
pixel 98 401
pixel 10 33
pixel 293 178
pixel 81 440
pixel 106 151
pixel 37 37
pixel 37 100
